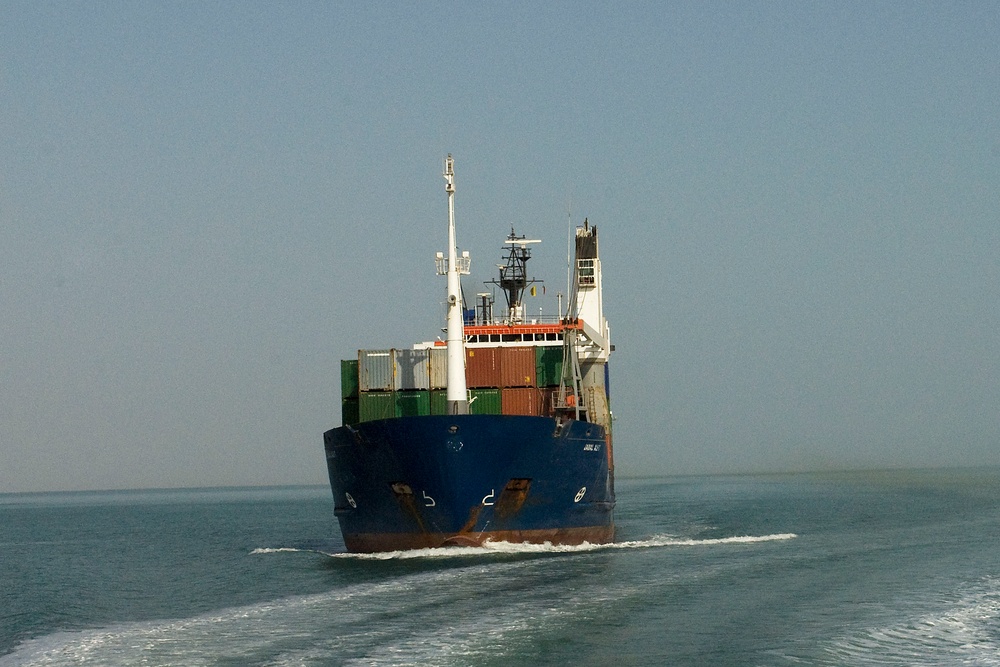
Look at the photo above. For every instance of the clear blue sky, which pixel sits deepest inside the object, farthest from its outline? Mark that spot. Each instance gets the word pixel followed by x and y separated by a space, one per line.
pixel 204 206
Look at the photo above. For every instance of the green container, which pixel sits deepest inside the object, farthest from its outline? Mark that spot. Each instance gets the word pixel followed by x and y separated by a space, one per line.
pixel 439 401
pixel 413 403
pixel 350 411
pixel 548 365
pixel 349 378
pixel 376 405
pixel 485 402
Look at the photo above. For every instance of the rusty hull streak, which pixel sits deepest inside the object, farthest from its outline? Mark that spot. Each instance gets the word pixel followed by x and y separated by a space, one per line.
pixel 512 498
pixel 471 521
pixel 404 494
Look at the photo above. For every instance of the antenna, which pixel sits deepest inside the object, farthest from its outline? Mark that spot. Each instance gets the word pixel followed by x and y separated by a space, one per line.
pixel 569 261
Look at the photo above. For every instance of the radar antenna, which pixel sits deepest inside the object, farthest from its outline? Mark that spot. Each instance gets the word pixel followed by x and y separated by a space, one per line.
pixel 513 278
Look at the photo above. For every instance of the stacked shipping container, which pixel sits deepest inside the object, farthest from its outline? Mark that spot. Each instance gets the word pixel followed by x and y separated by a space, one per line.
pixel 381 384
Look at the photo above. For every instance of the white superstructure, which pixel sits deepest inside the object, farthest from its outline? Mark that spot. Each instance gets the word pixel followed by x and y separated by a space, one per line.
pixel 590 296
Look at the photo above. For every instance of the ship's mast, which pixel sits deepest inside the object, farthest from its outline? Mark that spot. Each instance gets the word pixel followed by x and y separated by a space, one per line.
pixel 457 395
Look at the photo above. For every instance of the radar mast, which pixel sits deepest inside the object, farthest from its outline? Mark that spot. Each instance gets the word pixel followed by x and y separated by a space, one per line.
pixel 513 278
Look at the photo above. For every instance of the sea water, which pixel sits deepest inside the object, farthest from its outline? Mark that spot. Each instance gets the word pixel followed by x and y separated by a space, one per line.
pixel 881 568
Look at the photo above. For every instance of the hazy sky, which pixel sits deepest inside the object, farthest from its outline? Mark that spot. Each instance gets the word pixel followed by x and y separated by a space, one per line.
pixel 205 206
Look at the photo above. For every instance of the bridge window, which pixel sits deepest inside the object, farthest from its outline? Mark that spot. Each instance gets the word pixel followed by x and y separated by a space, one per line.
pixel 585 271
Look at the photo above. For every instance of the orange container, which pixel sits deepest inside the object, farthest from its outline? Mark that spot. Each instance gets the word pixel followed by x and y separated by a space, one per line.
pixel 482 367
pixel 521 401
pixel 517 366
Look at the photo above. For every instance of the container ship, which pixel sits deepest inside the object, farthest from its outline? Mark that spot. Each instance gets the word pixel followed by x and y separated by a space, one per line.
pixel 500 433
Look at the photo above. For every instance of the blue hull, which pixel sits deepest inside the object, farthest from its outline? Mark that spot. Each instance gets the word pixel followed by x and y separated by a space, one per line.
pixel 429 481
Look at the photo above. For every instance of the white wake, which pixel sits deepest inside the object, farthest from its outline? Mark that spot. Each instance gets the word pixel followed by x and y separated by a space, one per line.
pixel 493 548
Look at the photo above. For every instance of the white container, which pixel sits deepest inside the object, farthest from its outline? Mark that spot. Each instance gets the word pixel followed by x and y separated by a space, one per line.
pixel 438 367
pixel 376 370
pixel 412 369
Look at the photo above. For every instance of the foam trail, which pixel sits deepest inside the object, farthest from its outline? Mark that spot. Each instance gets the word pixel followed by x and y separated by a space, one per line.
pixel 670 541
pixel 326 624
pixel 504 548
pixel 964 633
pixel 392 623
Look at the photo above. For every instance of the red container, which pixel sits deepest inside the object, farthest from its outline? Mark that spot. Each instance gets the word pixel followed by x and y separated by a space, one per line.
pixel 517 366
pixel 482 367
pixel 521 401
